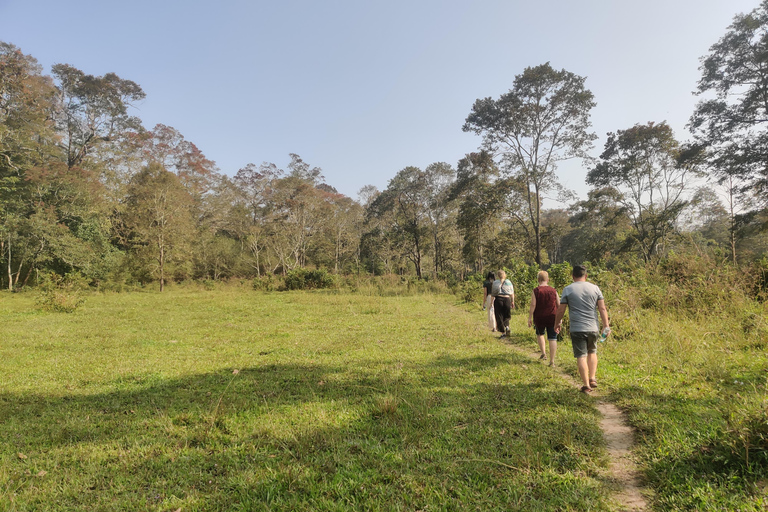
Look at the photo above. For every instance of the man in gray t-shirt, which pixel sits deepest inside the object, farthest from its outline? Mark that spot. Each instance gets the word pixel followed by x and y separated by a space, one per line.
pixel 583 300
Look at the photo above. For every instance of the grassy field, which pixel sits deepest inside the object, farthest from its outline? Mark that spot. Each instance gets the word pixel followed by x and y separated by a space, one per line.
pixel 231 399
pixel 237 400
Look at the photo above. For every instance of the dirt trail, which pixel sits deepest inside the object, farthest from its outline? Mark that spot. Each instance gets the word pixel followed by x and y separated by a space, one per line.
pixel 619 439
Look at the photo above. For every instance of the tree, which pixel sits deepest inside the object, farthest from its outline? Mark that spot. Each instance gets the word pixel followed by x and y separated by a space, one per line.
pixel 554 233
pixel 650 169
pixel 541 121
pixel 480 198
pixel 158 219
pixel 49 213
pixel 254 186
pixel 405 202
pixel 295 215
pixel 92 110
pixel 438 181
pixel 168 147
pixel 600 226
pixel 731 120
pixel 343 226
pixel 26 139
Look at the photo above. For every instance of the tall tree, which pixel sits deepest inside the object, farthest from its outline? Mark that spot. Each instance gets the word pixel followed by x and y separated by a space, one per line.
pixel 158 219
pixel 541 121
pixel 405 202
pixel 731 120
pixel 168 147
pixel 255 186
pixel 648 166
pixel 441 212
pixel 480 198
pixel 93 110
pixel 600 225
pixel 38 202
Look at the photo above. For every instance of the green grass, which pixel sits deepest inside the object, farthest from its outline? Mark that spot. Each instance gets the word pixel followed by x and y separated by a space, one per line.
pixel 230 399
pixel 694 387
pixel 237 400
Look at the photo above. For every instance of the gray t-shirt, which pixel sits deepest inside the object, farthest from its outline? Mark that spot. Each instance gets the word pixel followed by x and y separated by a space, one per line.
pixel 582 297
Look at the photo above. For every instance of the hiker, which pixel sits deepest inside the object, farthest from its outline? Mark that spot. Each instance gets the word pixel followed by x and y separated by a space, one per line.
pixel 541 316
pixel 582 299
pixel 488 300
pixel 503 303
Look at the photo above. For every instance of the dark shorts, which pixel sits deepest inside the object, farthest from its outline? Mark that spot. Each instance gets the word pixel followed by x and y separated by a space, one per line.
pixel 584 343
pixel 549 329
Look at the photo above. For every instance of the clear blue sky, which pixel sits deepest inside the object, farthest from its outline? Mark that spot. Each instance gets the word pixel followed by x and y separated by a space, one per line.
pixel 364 88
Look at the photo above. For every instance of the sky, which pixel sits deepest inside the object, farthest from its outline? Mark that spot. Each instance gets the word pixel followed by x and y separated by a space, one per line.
pixel 365 88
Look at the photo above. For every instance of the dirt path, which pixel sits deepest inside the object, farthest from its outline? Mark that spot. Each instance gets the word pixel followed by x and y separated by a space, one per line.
pixel 619 439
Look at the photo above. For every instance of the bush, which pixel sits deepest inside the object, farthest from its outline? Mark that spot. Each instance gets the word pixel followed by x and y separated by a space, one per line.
pixel 759 271
pixel 303 279
pixel 266 283
pixel 560 275
pixel 523 277
pixel 61 293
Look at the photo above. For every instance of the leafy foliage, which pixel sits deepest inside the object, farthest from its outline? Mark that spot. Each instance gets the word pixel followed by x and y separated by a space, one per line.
pixel 304 279
pixel 63 294
pixel 541 121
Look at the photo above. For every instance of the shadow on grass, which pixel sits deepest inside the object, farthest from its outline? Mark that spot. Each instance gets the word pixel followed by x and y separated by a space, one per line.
pixel 286 436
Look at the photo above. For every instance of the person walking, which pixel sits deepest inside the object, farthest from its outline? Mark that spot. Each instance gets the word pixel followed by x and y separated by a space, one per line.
pixel 583 299
pixel 488 300
pixel 503 303
pixel 544 303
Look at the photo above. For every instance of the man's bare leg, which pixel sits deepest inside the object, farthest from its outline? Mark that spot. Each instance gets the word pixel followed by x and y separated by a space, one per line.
pixel 592 364
pixel 583 370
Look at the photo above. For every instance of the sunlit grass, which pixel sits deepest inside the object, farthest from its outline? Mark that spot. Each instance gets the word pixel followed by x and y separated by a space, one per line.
pixel 236 400
pixel 694 387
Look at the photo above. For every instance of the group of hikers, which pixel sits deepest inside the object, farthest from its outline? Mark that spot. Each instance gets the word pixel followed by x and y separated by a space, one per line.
pixel 582 299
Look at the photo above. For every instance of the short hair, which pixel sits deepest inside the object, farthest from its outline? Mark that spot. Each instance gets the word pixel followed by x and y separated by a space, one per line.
pixel 579 271
pixel 542 276
pixel 502 274
pixel 491 276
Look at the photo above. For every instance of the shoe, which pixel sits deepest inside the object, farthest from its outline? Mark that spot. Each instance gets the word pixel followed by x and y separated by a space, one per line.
pixel 593 383
pixel 552 364
pixel 543 357
pixel 586 389
pixel 503 336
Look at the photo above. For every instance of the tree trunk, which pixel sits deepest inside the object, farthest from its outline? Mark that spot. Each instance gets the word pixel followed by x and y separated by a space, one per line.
pixel 29 273
pixel 733 222
pixel 162 266
pixel 10 273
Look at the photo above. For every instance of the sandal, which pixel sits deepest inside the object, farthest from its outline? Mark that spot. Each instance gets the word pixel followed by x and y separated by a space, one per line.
pixel 593 383
pixel 586 389
pixel 543 357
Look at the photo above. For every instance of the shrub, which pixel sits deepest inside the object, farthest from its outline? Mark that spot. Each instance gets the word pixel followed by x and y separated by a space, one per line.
pixel 319 278
pixel 266 283
pixel 523 277
pixel 303 279
pixel 61 293
pixel 560 275
pixel 759 271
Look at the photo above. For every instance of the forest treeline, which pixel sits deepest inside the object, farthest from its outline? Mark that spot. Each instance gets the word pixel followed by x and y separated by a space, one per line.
pixel 86 189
